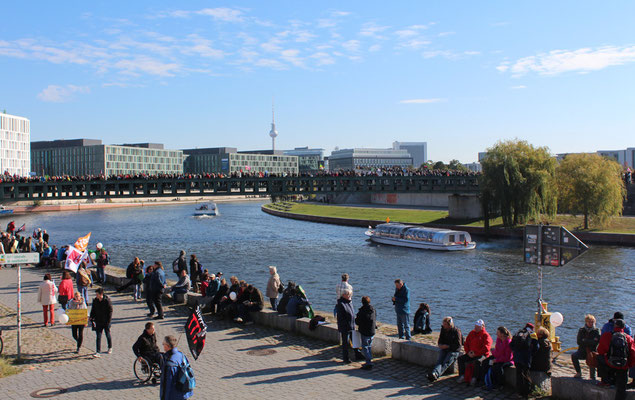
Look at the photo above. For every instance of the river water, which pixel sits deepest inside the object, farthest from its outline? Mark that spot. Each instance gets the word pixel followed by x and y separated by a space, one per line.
pixel 490 283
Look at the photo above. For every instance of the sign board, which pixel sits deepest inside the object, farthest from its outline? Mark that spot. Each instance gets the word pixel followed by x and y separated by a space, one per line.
pixel 20 258
pixel 551 245
pixel 77 317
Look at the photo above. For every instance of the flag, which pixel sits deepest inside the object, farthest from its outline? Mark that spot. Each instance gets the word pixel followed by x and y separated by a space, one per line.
pixel 387 219
pixel 22 228
pixel 74 257
pixel 82 242
pixel 195 330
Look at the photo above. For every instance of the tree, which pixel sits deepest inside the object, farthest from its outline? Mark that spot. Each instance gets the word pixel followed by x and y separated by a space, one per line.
pixel 590 185
pixel 439 165
pixel 518 180
pixel 456 165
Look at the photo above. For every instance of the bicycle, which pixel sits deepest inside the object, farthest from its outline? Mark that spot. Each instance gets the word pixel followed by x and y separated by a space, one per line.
pixel 145 372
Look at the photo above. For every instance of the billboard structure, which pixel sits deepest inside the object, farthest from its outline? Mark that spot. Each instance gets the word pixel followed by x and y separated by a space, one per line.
pixel 551 245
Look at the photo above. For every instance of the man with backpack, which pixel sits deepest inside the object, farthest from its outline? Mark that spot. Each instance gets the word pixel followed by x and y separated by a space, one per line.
pixel 616 354
pixel 524 345
pixel 177 378
pixel 180 263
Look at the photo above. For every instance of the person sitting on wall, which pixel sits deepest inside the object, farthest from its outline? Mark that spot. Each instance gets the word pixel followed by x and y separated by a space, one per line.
pixel 477 348
pixel 422 320
pixel 450 341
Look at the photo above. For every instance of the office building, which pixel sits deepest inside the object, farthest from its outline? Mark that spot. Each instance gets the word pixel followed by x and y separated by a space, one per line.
pixel 308 159
pixel 91 157
pixel 15 140
pixel 417 150
pixel 228 160
pixel 474 166
pixel 626 158
pixel 366 158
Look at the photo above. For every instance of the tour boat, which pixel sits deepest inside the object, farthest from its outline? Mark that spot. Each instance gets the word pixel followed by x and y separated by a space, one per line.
pixel 206 209
pixel 4 210
pixel 420 237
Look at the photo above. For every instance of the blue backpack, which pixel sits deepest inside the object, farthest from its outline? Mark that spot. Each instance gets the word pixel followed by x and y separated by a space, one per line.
pixel 184 379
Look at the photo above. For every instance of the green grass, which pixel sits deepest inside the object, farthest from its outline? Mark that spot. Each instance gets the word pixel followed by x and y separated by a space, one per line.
pixel 7 368
pixel 617 225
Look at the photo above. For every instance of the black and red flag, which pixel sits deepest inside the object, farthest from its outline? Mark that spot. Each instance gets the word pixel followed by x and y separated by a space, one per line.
pixel 195 330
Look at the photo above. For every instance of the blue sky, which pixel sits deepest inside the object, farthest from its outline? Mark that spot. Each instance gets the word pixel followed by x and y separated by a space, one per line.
pixel 459 75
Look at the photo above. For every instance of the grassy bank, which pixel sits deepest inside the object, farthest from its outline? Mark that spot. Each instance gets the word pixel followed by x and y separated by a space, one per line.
pixel 618 225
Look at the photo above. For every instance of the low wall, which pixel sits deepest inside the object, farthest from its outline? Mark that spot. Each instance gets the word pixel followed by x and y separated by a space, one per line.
pixel 411 199
pixel 465 206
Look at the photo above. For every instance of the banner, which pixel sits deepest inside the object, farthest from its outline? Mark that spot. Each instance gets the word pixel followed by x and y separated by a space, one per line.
pixel 82 243
pixel 195 331
pixel 77 317
pixel 74 257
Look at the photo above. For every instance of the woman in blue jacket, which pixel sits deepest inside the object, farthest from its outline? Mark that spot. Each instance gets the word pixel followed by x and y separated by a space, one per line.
pixel 172 359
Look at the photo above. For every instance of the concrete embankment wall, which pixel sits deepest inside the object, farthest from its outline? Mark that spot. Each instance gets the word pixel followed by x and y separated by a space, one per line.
pixel 620 239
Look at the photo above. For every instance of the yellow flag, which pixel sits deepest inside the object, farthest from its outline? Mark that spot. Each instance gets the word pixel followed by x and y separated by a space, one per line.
pixel 387 219
pixel 82 242
pixel 77 317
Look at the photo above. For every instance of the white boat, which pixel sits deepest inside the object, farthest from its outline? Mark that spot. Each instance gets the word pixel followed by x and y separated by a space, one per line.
pixel 420 237
pixel 206 209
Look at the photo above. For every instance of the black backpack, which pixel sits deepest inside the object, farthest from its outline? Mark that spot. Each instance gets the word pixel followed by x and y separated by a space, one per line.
pixel 618 350
pixel 521 341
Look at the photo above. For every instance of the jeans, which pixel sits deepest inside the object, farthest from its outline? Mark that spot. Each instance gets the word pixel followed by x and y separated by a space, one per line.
pixel 581 355
pixel 137 292
pixel 445 361
pixel 243 311
pixel 274 303
pixel 367 342
pixel 83 290
pixel 403 325
pixel 154 300
pixel 101 274
pixel 50 309
pixel 98 331
pixel 78 334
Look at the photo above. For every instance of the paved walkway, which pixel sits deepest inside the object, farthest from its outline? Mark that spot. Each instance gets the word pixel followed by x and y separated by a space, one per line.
pixel 300 368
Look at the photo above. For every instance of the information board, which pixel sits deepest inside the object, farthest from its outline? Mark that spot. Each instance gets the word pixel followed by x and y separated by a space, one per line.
pixel 551 245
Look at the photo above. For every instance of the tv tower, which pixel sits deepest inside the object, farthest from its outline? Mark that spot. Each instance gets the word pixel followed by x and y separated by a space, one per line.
pixel 273 132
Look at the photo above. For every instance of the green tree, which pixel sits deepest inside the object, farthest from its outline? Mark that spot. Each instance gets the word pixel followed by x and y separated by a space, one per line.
pixel 456 165
pixel 518 180
pixel 439 165
pixel 590 185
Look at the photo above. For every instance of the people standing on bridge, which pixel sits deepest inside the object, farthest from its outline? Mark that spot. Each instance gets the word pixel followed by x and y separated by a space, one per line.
pixel 588 340
pixel 77 303
pixel 273 287
pixel 196 269
pixel 180 263
pixel 46 295
pixel 66 291
pixel 366 321
pixel 157 286
pixel 101 317
pixel 401 300
pixel 449 343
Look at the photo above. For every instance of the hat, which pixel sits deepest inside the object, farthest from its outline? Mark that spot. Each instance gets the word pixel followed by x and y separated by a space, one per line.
pixel 219 273
pixel 99 246
pixel 530 326
pixel 479 323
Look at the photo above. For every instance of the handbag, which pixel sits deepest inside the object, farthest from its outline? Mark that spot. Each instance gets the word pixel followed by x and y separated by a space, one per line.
pixel 591 358
pixel 280 288
pixel 356 340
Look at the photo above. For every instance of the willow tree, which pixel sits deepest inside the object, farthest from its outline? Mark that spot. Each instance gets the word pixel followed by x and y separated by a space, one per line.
pixel 590 185
pixel 519 180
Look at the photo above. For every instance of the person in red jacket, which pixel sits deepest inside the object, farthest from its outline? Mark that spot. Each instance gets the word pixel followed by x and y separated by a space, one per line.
pixel 65 291
pixel 477 348
pixel 616 354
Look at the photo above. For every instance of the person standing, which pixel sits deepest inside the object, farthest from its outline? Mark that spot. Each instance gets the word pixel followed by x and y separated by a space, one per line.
pixel 102 261
pixel 172 358
pixel 588 340
pixel 273 286
pixel 82 278
pixel 134 272
pixel 366 320
pixel 157 286
pixel 450 341
pixel 401 300
pixel 77 303
pixel 195 272
pixel 180 263
pixel 345 322
pixel 66 291
pixel 46 296
pixel 524 345
pixel 616 354
pixel 101 317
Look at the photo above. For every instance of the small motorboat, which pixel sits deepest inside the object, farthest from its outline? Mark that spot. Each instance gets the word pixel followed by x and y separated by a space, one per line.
pixel 4 210
pixel 420 237
pixel 206 209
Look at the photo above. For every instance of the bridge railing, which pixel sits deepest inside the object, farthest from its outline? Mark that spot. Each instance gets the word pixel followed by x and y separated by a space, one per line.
pixel 276 186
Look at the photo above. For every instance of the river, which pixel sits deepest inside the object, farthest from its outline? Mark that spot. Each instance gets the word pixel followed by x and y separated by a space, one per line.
pixel 490 283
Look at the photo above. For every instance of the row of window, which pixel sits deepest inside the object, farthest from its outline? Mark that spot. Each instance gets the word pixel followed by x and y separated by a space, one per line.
pixel 15 124
pixel 143 152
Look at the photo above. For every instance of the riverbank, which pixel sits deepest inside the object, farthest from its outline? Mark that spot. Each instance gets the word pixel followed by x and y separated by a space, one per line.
pixel 366 216
pixel 25 207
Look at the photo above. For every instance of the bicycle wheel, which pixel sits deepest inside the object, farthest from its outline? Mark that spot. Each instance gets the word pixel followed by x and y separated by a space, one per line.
pixel 142 370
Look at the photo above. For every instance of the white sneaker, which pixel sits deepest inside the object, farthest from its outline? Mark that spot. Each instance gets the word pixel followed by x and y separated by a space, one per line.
pixel 97 355
pixel 239 320
pixel 461 379
pixel 109 351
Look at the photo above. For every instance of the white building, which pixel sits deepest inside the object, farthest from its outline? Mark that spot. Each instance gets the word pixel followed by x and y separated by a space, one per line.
pixel 362 158
pixel 474 166
pixel 417 150
pixel 626 158
pixel 15 145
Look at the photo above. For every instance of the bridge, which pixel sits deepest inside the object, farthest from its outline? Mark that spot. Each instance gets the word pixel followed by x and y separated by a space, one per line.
pixel 265 186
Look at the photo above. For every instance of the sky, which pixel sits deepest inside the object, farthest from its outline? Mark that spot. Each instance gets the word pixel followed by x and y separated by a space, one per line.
pixel 459 75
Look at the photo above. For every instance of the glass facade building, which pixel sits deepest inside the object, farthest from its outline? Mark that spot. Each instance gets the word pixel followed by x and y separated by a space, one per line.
pixel 228 160
pixel 308 159
pixel 417 150
pixel 15 140
pixel 362 158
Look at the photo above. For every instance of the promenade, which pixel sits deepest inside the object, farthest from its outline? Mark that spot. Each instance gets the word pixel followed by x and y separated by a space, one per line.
pixel 300 368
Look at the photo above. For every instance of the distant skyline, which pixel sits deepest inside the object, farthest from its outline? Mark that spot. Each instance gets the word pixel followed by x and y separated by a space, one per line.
pixel 459 76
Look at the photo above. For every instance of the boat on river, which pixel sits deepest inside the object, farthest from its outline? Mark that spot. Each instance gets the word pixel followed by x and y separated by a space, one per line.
pixel 420 237
pixel 206 209
pixel 4 210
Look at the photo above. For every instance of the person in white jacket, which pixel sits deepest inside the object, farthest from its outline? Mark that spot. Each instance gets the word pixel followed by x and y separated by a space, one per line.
pixel 46 296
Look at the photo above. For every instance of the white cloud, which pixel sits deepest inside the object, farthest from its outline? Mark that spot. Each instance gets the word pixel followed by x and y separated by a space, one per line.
pixel 414 44
pixel 374 48
pixel 519 87
pixel 443 34
pixel 270 63
pixel 372 30
pixel 61 94
pixel 351 45
pixel 144 64
pixel 561 61
pixel 422 101
pixel 219 14
pixel 323 58
pixel 292 56
pixel 202 47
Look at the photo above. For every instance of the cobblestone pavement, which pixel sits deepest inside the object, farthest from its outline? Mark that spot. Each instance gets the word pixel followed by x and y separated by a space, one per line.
pixel 300 367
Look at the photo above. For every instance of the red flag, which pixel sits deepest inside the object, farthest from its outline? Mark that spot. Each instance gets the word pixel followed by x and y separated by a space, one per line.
pixel 195 331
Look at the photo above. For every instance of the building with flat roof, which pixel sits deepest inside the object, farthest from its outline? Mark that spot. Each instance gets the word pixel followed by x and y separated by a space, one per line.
pixel 91 157
pixel 474 166
pixel 308 159
pixel 625 158
pixel 363 158
pixel 417 150
pixel 15 140
pixel 228 160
